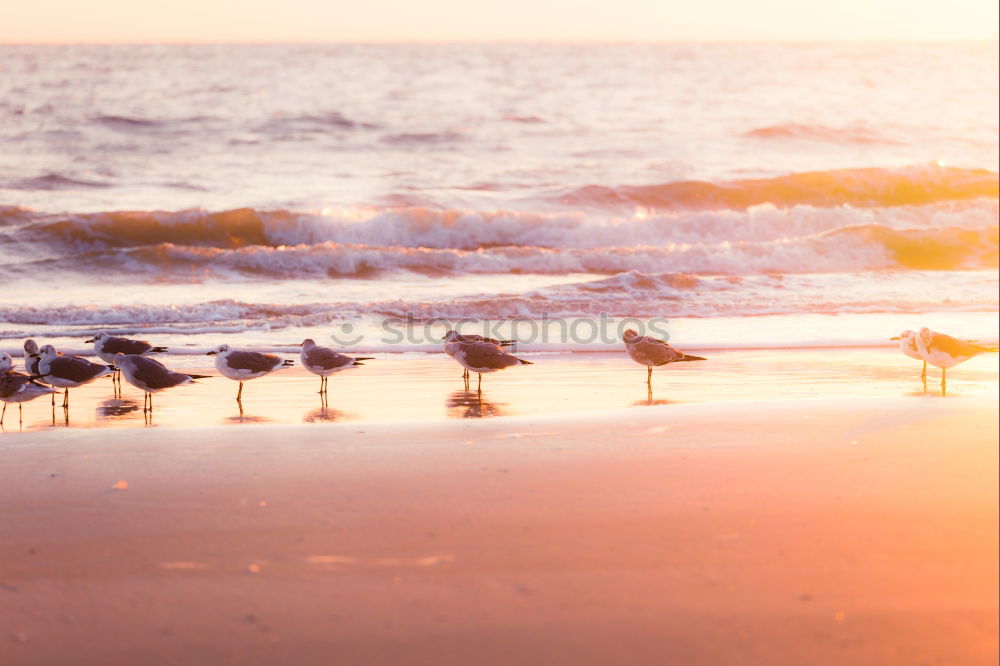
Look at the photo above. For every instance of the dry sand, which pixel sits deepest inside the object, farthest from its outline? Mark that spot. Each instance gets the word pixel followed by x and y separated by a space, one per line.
pixel 844 531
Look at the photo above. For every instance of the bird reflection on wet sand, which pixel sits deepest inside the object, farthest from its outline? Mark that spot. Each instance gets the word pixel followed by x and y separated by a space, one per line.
pixel 472 405
pixel 324 415
pixel 243 417
pixel 116 408
pixel 649 400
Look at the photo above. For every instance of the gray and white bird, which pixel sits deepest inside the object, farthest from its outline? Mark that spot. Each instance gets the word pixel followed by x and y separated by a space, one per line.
pixel 651 352
pixel 68 372
pixel 150 376
pixel 484 357
pixel 31 359
pixel 453 338
pixel 17 387
pixel 107 345
pixel 908 345
pixel 324 361
pixel 243 366
pixel 945 351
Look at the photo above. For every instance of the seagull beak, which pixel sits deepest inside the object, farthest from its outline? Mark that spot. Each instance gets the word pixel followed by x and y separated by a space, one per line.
pixel 895 338
pixel 211 353
pixel 88 341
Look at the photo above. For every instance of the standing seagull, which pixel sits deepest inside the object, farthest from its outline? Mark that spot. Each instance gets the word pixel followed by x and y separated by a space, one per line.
pixel 68 372
pixel 243 366
pixel 31 357
pixel 482 357
pixel 31 360
pixel 17 387
pixel 452 339
pixel 107 346
pixel 945 351
pixel 324 361
pixel 650 351
pixel 150 375
pixel 908 345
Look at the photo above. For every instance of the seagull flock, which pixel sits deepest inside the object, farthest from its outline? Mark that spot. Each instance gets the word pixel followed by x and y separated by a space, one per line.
pixel 45 369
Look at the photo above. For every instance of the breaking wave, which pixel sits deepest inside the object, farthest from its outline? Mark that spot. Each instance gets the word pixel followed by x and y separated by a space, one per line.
pixel 855 187
pixel 859 248
pixel 196 245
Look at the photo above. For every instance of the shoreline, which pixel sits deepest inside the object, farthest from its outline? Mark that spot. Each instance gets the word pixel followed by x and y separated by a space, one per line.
pixel 427 388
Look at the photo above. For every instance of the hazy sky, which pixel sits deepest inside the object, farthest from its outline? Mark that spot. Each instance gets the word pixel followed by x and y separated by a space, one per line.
pixel 481 20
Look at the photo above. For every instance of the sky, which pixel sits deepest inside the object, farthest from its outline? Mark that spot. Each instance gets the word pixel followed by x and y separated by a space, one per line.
pixel 499 20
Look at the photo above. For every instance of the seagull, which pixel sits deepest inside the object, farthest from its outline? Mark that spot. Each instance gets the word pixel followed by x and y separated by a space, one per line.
pixel 150 375
pixel 107 346
pixel 453 338
pixel 31 359
pixel 945 351
pixel 650 351
pixel 17 387
pixel 68 372
pixel 324 361
pixel 908 345
pixel 245 365
pixel 482 357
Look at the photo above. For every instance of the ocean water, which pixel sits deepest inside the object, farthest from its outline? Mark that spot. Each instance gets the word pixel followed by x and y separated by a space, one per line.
pixel 747 194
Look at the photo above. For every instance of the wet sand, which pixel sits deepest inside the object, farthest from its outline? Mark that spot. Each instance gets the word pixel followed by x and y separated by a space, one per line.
pixel 418 387
pixel 833 530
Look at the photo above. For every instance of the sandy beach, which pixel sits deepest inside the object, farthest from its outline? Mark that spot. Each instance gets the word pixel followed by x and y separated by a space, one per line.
pixel 784 197
pixel 853 527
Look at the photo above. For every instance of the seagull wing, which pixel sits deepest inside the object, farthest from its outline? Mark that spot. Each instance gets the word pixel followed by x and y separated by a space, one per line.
pixel 75 368
pixel 252 361
pixel 326 358
pixel 125 346
pixel 154 374
pixel 486 355
pixel 955 348
pixel 651 351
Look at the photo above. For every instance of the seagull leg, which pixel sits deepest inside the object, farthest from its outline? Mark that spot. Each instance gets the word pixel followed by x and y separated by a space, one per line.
pixel 942 381
pixel 150 402
pixel 479 388
pixel 20 413
pixel 239 394
pixel 649 376
pixel 465 375
pixel 923 374
pixel 4 413
pixel 65 397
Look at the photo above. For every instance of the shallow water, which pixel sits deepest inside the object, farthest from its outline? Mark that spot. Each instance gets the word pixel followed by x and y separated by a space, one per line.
pixel 410 388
